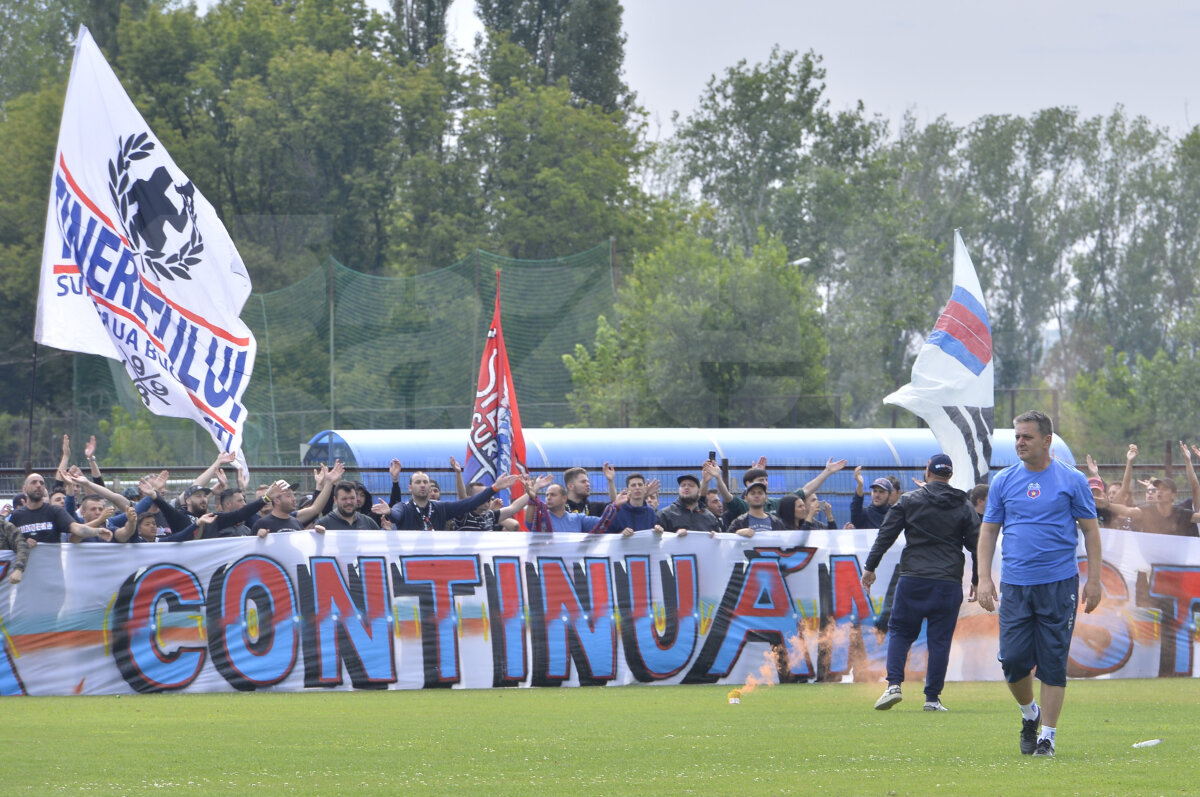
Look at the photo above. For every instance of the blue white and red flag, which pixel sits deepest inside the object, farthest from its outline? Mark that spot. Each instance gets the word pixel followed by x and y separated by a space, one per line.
pixel 496 445
pixel 952 387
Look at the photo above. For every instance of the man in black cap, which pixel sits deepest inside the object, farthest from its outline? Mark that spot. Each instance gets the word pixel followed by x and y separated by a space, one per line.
pixel 938 522
pixel 687 513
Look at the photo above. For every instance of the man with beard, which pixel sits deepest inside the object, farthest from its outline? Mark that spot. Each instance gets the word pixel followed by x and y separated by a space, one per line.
pixel 421 513
pixel 42 521
pixel 345 515
pixel 686 513
pixel 872 515
pixel 579 487
pixel 285 517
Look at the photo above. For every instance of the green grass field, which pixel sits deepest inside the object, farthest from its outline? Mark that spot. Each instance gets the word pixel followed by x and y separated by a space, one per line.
pixel 794 739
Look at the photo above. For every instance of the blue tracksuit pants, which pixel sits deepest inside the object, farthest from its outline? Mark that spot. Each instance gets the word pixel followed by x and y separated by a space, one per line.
pixel 931 600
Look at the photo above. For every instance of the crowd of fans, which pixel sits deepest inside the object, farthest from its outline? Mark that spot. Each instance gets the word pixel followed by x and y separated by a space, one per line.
pixel 78 507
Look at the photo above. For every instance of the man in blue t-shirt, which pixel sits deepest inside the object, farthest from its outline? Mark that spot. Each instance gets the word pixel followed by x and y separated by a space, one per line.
pixel 1038 503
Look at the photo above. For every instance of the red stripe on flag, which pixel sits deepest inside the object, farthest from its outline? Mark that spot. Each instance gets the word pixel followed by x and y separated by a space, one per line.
pixel 195 319
pixel 87 201
pixel 189 315
pixel 121 311
pixel 966 327
pixel 66 268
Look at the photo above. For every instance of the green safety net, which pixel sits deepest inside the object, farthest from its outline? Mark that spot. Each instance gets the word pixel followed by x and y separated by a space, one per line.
pixel 401 352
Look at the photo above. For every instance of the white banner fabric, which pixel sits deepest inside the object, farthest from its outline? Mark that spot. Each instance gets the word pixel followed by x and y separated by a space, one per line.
pixel 136 265
pixel 382 610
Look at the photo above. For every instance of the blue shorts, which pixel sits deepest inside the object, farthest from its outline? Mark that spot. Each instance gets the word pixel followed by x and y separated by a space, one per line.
pixel 1036 622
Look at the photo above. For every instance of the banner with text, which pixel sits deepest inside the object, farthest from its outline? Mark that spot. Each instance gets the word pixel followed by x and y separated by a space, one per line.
pixel 378 610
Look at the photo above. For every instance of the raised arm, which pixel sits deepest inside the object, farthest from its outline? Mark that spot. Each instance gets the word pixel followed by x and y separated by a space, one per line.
pixel 1190 467
pixel 610 475
pixel 831 467
pixel 541 483
pixel 116 499
pixel 713 470
pixel 460 508
pixel 89 453
pixel 1118 510
pixel 394 468
pixel 460 487
pixel 126 532
pixel 325 478
pixel 1125 494
pixel 206 476
pixel 65 462
pixel 602 523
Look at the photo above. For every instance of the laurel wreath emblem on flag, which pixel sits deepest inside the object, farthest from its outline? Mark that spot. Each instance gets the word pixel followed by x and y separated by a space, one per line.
pixel 153 222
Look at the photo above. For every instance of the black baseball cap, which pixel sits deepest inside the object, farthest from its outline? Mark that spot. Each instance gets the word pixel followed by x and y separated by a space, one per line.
pixel 941 465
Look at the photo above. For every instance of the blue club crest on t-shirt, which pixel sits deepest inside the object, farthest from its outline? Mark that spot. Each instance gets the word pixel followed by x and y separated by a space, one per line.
pixel 1033 490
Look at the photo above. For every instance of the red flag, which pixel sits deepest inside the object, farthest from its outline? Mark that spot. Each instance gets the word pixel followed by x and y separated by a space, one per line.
pixel 496 445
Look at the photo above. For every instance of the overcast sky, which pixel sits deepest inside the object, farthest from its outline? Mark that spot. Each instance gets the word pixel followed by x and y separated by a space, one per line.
pixel 960 59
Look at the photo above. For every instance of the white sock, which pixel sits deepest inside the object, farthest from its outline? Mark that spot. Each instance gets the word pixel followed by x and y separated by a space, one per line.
pixel 1030 712
pixel 1047 733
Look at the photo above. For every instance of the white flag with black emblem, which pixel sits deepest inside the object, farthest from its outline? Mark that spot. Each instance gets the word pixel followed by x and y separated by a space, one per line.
pixel 952 387
pixel 137 266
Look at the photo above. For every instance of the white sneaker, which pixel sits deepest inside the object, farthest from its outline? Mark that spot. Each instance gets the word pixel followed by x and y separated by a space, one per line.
pixel 935 705
pixel 889 698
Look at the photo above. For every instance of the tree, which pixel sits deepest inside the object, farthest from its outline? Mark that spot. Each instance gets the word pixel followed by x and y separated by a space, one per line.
pixel 576 40
pixel 1131 283
pixel 706 339
pixel 554 178
pixel 607 386
pixel 418 26
pixel 1024 174
pixel 750 140
pixel 35 44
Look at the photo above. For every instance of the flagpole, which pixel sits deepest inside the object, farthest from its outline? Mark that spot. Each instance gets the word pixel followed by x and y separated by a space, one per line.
pixel 504 365
pixel 32 398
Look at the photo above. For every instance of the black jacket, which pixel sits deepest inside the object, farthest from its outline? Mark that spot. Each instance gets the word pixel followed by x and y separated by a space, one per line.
pixel 678 516
pixel 938 522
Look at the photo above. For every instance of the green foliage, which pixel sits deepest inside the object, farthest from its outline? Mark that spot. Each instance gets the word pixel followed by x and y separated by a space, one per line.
pixel 35 44
pixel 579 41
pixel 750 139
pixel 417 27
pixel 706 340
pixel 607 386
pixel 1135 399
pixel 132 439
pixel 555 177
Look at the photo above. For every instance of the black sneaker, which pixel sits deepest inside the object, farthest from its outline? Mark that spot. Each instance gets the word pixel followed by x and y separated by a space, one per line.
pixel 1045 749
pixel 1029 733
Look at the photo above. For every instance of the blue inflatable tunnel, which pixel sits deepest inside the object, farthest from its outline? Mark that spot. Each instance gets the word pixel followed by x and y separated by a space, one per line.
pixel 794 456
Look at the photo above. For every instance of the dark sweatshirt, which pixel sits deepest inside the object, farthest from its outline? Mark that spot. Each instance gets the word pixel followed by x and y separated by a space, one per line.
pixel 938 523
